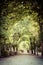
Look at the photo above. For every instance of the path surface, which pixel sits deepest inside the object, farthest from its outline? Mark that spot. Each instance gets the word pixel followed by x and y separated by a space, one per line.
pixel 21 60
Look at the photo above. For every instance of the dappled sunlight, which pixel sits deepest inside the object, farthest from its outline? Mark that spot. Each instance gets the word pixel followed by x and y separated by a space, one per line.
pixel 21 32
pixel 24 27
pixel 21 28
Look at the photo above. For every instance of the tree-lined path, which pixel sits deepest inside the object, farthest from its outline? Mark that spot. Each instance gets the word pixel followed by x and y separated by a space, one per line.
pixel 21 60
pixel 21 30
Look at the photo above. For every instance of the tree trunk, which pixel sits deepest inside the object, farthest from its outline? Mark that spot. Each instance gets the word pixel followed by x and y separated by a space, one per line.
pixel 41 30
pixel 34 48
pixel 0 51
pixel 41 35
pixel 31 48
pixel 37 50
pixel 42 48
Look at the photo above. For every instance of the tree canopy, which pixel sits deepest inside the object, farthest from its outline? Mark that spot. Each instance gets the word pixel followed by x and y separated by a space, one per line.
pixel 20 18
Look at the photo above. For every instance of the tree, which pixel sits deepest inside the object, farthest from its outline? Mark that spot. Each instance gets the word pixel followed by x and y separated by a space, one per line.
pixel 15 10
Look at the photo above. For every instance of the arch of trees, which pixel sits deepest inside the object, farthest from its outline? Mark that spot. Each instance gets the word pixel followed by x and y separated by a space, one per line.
pixel 15 11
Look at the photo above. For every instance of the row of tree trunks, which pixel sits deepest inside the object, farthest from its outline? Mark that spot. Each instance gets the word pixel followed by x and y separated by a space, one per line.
pixel 33 46
pixel 7 50
pixel 34 51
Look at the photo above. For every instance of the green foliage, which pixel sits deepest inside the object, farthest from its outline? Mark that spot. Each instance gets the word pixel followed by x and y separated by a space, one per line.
pixel 19 20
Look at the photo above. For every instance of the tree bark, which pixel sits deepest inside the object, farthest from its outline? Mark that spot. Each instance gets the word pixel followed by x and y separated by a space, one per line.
pixel 34 48
pixel 37 51
pixel 42 48
pixel 0 51
pixel 41 36
pixel 42 42
pixel 31 48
